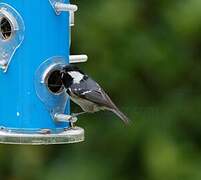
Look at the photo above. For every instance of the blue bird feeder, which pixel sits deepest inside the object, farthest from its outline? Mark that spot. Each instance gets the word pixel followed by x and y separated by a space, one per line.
pixel 34 46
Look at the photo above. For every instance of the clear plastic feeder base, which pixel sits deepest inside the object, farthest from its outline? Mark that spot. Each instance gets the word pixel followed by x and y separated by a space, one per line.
pixel 68 136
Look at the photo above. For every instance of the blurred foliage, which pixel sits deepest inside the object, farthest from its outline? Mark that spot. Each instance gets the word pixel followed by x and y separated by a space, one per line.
pixel 147 56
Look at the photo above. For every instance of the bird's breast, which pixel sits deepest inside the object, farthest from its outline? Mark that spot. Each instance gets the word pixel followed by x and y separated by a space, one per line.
pixel 86 105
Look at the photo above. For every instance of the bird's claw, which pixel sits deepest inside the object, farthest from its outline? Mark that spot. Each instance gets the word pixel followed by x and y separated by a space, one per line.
pixel 73 118
pixel 72 121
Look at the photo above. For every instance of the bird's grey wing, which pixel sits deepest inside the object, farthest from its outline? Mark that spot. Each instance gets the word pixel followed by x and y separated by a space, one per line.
pixel 91 91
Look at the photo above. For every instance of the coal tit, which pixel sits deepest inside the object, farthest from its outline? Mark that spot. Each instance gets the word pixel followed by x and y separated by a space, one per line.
pixel 87 93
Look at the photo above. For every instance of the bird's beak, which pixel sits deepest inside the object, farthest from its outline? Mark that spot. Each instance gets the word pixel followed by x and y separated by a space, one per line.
pixel 62 73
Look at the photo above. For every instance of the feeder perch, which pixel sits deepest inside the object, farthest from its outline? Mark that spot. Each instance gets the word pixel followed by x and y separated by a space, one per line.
pixel 34 47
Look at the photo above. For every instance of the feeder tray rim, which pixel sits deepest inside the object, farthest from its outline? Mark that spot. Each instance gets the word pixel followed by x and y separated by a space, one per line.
pixel 69 136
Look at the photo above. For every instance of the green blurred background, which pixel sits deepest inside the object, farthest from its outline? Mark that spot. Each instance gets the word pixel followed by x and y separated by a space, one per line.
pixel 147 56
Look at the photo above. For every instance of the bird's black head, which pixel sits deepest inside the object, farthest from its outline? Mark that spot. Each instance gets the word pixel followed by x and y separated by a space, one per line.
pixel 66 79
pixel 71 74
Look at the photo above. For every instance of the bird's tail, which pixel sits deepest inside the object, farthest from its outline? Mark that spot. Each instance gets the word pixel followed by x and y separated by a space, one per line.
pixel 121 115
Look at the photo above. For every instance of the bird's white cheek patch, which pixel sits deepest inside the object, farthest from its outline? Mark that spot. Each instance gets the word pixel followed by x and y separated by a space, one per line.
pixel 77 76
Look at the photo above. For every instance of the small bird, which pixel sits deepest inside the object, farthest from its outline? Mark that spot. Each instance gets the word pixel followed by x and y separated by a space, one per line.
pixel 87 93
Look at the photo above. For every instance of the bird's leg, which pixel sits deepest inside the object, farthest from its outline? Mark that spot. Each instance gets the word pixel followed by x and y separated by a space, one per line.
pixel 78 114
pixel 73 118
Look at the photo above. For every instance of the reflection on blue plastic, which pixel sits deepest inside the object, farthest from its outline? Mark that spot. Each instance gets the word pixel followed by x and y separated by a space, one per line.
pixel 17 28
pixel 55 103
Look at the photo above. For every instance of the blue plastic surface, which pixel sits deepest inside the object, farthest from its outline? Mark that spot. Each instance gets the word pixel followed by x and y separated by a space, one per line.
pixel 46 35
